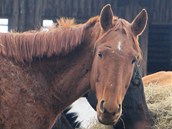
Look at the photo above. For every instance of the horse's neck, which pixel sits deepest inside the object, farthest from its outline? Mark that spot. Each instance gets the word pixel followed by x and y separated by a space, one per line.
pixel 73 80
pixel 67 77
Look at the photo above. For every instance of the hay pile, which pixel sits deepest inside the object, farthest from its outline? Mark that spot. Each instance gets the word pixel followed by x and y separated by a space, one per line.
pixel 159 100
pixel 94 124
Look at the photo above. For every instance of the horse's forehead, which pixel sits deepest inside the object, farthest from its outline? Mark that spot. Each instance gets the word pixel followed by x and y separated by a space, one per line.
pixel 116 40
pixel 120 46
pixel 119 37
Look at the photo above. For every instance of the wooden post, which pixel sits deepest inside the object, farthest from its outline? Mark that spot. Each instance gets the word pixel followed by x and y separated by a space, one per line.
pixel 14 19
pixel 144 47
pixel 30 14
pixel 38 13
pixel 22 15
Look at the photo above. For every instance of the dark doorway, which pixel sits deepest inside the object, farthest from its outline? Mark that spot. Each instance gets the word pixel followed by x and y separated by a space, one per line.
pixel 159 48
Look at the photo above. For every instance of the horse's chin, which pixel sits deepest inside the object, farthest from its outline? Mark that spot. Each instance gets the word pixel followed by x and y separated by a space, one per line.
pixel 107 119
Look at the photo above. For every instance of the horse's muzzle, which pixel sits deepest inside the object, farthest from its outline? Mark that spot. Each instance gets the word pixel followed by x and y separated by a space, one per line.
pixel 108 119
pixel 106 116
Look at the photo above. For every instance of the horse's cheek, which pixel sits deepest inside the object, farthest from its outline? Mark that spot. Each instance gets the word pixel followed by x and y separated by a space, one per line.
pixel 93 78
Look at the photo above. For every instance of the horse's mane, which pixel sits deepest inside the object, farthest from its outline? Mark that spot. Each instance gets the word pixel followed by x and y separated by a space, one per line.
pixel 61 39
pixel 58 40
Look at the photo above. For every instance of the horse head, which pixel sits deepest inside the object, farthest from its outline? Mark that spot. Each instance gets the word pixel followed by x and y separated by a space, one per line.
pixel 115 53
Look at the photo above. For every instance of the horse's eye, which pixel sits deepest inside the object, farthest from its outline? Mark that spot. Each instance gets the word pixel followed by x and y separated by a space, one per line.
pixel 100 55
pixel 134 61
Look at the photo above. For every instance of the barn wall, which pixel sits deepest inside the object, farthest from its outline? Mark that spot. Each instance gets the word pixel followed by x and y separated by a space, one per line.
pixel 160 11
pixel 28 14
pixel 5 8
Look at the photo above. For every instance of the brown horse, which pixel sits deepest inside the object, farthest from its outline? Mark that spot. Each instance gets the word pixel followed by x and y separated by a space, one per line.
pixel 162 78
pixel 44 72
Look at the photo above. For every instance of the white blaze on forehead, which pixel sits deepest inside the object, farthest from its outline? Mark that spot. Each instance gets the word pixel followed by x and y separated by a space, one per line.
pixel 119 46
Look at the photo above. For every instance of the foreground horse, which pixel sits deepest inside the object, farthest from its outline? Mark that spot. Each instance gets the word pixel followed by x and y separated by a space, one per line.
pixel 135 114
pixel 44 72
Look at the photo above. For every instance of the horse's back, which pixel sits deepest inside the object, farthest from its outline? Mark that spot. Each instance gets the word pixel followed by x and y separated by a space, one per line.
pixel 159 78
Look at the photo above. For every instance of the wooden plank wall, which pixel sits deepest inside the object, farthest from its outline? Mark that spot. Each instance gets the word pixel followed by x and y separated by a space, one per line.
pixel 160 11
pixel 28 14
pixel 5 8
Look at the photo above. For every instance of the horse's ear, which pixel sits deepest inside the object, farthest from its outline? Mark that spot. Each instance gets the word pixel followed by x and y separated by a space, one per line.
pixel 106 17
pixel 139 23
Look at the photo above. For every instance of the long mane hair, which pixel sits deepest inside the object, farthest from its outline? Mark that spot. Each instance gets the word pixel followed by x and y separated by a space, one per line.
pixel 58 40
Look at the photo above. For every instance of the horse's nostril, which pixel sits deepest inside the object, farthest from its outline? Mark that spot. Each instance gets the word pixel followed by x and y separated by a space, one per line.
pixel 102 106
pixel 119 107
pixel 114 113
pixel 118 110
